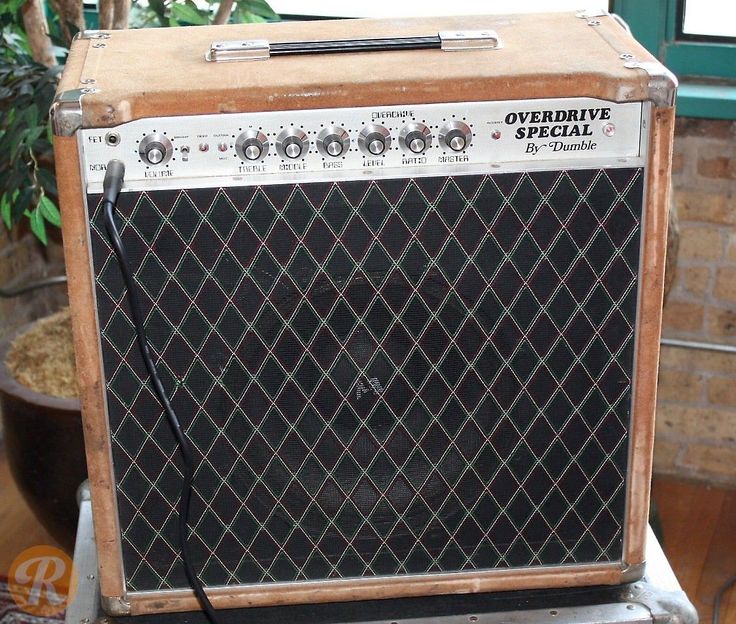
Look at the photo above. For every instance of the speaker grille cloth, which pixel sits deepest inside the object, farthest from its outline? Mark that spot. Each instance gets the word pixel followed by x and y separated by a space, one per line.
pixel 378 377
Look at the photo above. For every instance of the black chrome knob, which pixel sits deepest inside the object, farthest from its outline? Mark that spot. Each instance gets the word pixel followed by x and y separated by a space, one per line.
pixel 415 137
pixel 155 149
pixel 292 143
pixel 455 135
pixel 252 145
pixel 333 141
pixel 374 140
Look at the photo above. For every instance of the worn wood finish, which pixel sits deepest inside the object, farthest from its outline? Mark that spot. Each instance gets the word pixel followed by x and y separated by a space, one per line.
pixel 651 293
pixel 154 67
pixel 699 527
pixel 89 364
pixel 378 588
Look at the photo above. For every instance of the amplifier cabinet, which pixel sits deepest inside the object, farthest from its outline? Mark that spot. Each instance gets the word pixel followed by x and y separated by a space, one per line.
pixel 405 302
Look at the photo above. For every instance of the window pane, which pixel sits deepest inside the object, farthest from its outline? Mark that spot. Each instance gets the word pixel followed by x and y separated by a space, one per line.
pixel 711 18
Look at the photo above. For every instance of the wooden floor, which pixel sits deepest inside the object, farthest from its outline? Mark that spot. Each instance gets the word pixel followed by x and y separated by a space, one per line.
pixel 699 525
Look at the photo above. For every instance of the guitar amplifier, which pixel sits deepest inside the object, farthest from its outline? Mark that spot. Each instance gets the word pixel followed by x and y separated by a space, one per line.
pixel 402 283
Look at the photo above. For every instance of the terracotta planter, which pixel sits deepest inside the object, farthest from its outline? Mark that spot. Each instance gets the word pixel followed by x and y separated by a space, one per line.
pixel 45 449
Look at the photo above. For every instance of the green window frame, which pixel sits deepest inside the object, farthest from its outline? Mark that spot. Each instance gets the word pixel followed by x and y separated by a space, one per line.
pixel 706 68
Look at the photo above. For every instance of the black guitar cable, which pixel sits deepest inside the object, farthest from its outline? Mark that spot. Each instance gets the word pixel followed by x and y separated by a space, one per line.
pixel 111 187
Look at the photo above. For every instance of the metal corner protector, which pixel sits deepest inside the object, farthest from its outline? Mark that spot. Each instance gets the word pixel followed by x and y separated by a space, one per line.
pixel 115 605
pixel 662 82
pixel 632 572
pixel 66 111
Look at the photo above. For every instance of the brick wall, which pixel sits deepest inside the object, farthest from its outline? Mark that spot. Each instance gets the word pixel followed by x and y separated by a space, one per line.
pixel 696 419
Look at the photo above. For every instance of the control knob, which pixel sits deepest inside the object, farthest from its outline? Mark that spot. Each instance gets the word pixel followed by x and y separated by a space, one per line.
pixel 455 135
pixel 251 145
pixel 415 137
pixel 292 143
pixel 374 140
pixel 333 141
pixel 155 149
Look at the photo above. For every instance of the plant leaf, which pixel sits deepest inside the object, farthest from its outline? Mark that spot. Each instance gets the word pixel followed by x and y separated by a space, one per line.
pixel 48 182
pixel 159 9
pixel 259 7
pixel 38 227
pixel 189 13
pixel 5 212
pixel 21 202
pixel 49 211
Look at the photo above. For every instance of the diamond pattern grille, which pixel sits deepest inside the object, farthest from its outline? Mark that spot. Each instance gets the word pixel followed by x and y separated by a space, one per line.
pixel 387 377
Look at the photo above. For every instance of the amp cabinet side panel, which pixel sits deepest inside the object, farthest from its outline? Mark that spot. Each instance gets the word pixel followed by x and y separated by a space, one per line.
pixel 89 370
pixel 656 204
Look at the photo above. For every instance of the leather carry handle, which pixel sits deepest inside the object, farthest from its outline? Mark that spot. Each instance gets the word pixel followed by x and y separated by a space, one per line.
pixel 262 49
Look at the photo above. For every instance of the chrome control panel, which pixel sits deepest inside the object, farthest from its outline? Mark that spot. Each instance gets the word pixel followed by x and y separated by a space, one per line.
pixel 422 139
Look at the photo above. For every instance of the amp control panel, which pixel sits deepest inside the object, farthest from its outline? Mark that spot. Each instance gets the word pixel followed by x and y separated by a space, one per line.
pixel 308 145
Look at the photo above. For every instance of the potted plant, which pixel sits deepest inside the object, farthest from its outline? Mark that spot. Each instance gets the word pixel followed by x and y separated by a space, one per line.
pixel 41 416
